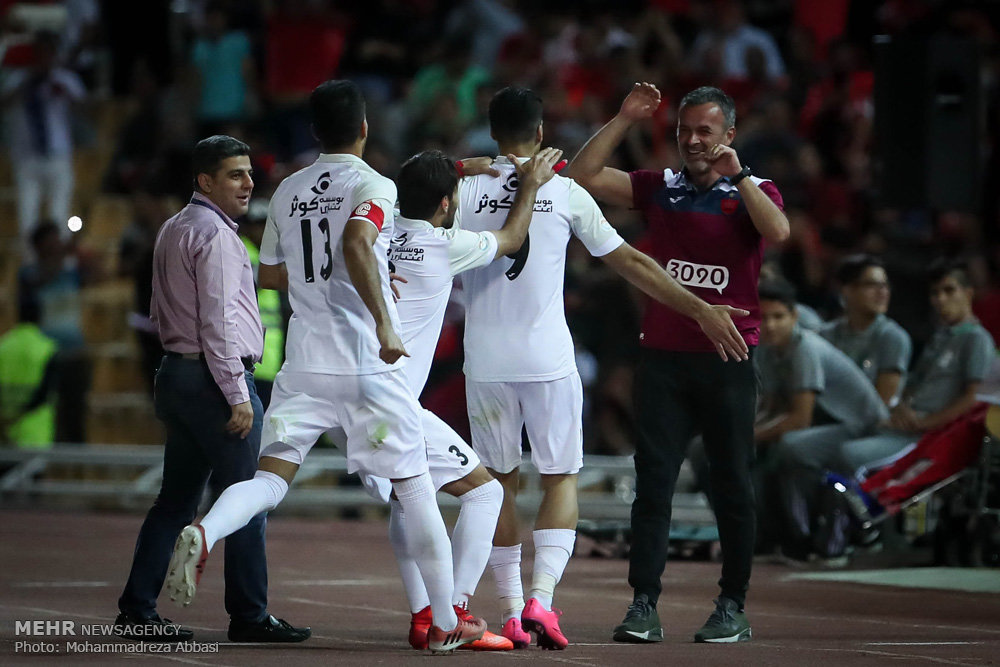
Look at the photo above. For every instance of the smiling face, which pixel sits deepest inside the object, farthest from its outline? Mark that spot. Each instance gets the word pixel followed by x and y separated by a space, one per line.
pixel 699 128
pixel 230 186
pixel 952 300
pixel 869 294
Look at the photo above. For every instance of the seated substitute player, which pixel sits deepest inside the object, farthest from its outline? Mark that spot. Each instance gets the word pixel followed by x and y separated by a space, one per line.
pixel 872 340
pixel 800 373
pixel 519 357
pixel 944 381
pixel 330 224
pixel 427 252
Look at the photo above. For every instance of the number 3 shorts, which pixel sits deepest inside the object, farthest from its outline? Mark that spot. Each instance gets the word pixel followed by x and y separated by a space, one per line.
pixel 378 414
pixel 448 456
pixel 551 412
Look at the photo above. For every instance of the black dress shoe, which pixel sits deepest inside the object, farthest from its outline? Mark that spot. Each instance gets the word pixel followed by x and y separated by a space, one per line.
pixel 271 629
pixel 151 629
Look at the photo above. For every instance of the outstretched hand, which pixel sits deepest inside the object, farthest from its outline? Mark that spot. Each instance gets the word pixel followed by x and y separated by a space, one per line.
pixel 538 170
pixel 641 102
pixel 717 323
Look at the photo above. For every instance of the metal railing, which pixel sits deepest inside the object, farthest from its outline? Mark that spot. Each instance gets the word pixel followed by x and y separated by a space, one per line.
pixel 128 477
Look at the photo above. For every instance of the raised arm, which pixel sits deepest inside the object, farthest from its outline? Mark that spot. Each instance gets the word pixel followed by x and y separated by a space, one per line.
pixel 716 321
pixel 362 267
pixel 589 168
pixel 531 175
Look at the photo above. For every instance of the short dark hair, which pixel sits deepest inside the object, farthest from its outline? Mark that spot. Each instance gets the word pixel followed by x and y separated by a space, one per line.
pixel 422 181
pixel 777 289
pixel 943 267
pixel 712 95
pixel 515 114
pixel 211 151
pixel 852 266
pixel 337 111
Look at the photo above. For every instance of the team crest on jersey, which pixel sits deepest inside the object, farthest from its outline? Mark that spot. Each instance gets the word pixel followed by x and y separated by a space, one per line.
pixel 729 205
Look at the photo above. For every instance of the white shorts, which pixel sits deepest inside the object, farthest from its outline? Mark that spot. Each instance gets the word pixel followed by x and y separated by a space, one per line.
pixel 551 412
pixel 378 414
pixel 448 456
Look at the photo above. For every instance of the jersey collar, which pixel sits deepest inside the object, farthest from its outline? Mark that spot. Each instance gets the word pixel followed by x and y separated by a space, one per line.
pixel 412 223
pixel 340 157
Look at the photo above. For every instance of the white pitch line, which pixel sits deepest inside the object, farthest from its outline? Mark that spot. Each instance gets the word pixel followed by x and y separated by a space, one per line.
pixel 921 643
pixel 61 584
pixel 374 581
pixel 378 610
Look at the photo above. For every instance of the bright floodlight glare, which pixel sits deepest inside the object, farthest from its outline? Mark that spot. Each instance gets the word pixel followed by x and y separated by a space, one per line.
pixel 75 224
pixel 840 487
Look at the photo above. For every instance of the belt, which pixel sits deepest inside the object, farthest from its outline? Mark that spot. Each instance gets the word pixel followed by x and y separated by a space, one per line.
pixel 247 362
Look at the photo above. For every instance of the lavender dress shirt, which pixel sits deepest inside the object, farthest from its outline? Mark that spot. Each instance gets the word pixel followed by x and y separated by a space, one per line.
pixel 204 300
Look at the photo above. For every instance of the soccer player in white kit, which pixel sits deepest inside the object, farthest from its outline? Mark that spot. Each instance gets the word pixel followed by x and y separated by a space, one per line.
pixel 330 225
pixel 519 357
pixel 427 252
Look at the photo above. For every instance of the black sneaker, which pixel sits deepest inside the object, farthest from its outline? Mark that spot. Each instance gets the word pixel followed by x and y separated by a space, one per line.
pixel 151 629
pixel 727 624
pixel 271 629
pixel 641 624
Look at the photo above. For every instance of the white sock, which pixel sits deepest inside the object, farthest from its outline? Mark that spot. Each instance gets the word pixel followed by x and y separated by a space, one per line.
pixel 472 539
pixel 506 565
pixel 241 502
pixel 427 542
pixel 413 584
pixel 553 547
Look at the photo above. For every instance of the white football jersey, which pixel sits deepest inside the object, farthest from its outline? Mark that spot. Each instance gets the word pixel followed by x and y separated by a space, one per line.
pixel 429 257
pixel 331 330
pixel 515 322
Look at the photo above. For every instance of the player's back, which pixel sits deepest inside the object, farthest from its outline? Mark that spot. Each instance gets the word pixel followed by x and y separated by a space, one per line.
pixel 515 320
pixel 428 257
pixel 331 329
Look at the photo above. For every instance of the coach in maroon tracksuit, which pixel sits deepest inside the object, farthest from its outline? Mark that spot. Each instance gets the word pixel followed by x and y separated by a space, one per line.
pixel 707 225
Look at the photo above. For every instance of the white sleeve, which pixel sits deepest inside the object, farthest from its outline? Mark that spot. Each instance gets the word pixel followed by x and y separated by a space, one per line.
pixel 589 224
pixel 270 247
pixel 464 184
pixel 470 250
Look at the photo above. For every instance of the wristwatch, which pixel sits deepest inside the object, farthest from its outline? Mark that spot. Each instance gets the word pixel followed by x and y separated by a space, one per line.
pixel 744 172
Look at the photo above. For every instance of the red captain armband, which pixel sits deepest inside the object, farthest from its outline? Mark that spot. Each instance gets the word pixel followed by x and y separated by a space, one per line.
pixel 559 166
pixel 459 167
pixel 371 212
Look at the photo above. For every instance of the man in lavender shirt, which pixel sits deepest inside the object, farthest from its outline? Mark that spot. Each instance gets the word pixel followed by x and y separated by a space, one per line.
pixel 204 306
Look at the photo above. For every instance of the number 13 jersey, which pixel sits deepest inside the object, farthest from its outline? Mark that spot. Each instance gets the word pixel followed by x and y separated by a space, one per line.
pixel 331 330
pixel 515 321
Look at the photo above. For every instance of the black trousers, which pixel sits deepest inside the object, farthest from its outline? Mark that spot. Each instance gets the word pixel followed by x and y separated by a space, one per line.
pixel 678 395
pixel 199 451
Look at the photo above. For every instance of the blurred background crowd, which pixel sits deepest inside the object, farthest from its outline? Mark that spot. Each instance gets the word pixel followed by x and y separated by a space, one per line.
pixel 103 102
